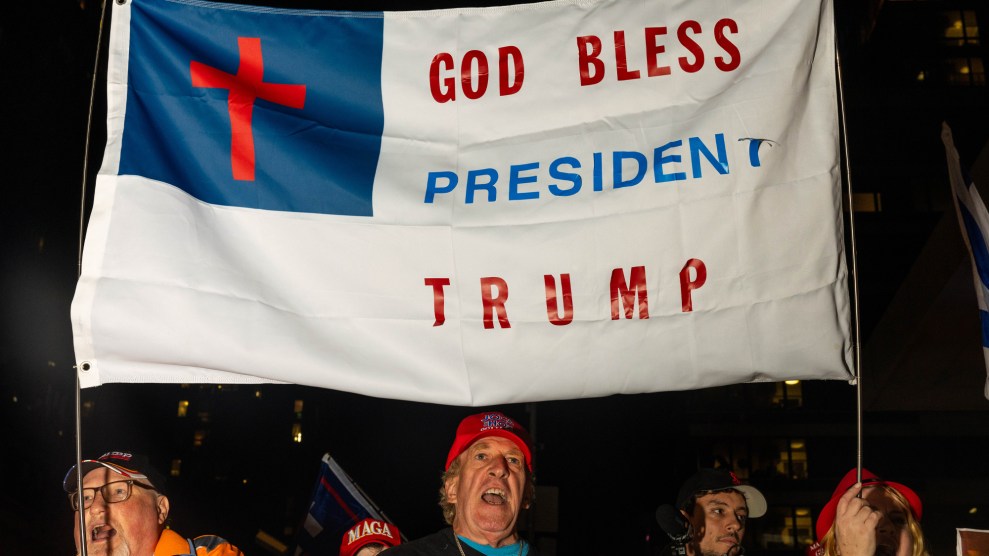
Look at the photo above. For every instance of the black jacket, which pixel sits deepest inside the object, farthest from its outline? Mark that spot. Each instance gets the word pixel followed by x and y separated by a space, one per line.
pixel 438 544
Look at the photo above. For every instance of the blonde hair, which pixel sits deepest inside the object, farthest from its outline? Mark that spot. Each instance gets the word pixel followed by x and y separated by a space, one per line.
pixel 830 545
pixel 450 509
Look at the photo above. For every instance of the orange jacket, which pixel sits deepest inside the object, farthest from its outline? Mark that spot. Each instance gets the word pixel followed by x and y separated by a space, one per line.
pixel 172 544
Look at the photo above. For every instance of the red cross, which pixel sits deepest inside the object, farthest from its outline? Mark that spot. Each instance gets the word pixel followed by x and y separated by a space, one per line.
pixel 244 88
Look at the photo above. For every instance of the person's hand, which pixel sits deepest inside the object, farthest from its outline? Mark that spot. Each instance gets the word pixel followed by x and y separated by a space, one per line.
pixel 855 524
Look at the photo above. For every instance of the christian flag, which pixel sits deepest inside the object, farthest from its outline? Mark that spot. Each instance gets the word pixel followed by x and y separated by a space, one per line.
pixel 565 199
pixel 974 221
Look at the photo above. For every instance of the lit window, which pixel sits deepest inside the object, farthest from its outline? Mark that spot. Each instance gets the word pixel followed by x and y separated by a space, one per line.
pixel 297 433
pixel 797 457
pixel 298 406
pixel 961 28
pixel 788 395
pixel 965 71
pixel 786 528
pixel 198 438
pixel 183 408
pixel 765 459
pixel 867 202
pixel 257 393
pixel 176 468
pixel 977 72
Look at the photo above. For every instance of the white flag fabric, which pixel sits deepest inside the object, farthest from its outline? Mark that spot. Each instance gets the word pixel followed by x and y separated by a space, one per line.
pixel 974 221
pixel 469 206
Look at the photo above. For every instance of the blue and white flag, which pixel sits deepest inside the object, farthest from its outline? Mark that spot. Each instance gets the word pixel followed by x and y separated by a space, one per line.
pixel 974 221
pixel 565 199
pixel 337 505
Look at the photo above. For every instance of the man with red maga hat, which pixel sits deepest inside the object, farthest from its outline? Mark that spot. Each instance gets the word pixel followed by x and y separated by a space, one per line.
pixel 126 511
pixel 369 537
pixel 487 484
pixel 711 512
pixel 872 518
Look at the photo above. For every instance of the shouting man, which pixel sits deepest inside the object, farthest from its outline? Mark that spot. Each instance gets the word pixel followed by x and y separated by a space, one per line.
pixel 487 484
pixel 126 511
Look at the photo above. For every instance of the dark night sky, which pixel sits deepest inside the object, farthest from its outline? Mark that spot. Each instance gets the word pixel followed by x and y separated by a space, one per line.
pixel 394 449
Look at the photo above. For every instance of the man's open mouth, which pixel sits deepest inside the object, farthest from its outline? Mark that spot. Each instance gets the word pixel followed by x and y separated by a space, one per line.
pixel 494 496
pixel 102 533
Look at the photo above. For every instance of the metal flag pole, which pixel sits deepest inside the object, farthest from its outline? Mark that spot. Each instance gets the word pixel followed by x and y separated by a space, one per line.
pixel 530 408
pixel 377 508
pixel 82 230
pixel 843 124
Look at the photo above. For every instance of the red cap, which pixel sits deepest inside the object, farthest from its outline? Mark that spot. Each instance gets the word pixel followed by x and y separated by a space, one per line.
pixel 826 518
pixel 367 532
pixel 492 423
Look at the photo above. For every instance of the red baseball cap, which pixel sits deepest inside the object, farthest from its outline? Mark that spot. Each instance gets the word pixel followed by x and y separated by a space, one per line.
pixel 826 518
pixel 490 423
pixel 369 531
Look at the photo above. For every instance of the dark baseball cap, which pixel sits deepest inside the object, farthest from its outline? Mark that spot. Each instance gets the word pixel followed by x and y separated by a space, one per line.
pixel 126 464
pixel 713 480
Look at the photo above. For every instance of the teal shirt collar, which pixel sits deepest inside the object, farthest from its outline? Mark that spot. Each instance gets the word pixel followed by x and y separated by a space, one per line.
pixel 509 550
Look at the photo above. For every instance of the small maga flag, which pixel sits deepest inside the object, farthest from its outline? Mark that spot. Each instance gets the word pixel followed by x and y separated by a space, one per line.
pixel 470 206
pixel 337 505
pixel 974 221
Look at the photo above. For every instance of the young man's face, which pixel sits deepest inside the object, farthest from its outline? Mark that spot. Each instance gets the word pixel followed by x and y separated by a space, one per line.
pixel 718 522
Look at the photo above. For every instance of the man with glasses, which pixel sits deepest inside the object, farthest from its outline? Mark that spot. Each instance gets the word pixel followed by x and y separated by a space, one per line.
pixel 126 511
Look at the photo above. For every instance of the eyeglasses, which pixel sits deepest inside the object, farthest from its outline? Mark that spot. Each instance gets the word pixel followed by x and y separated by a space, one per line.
pixel 114 492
